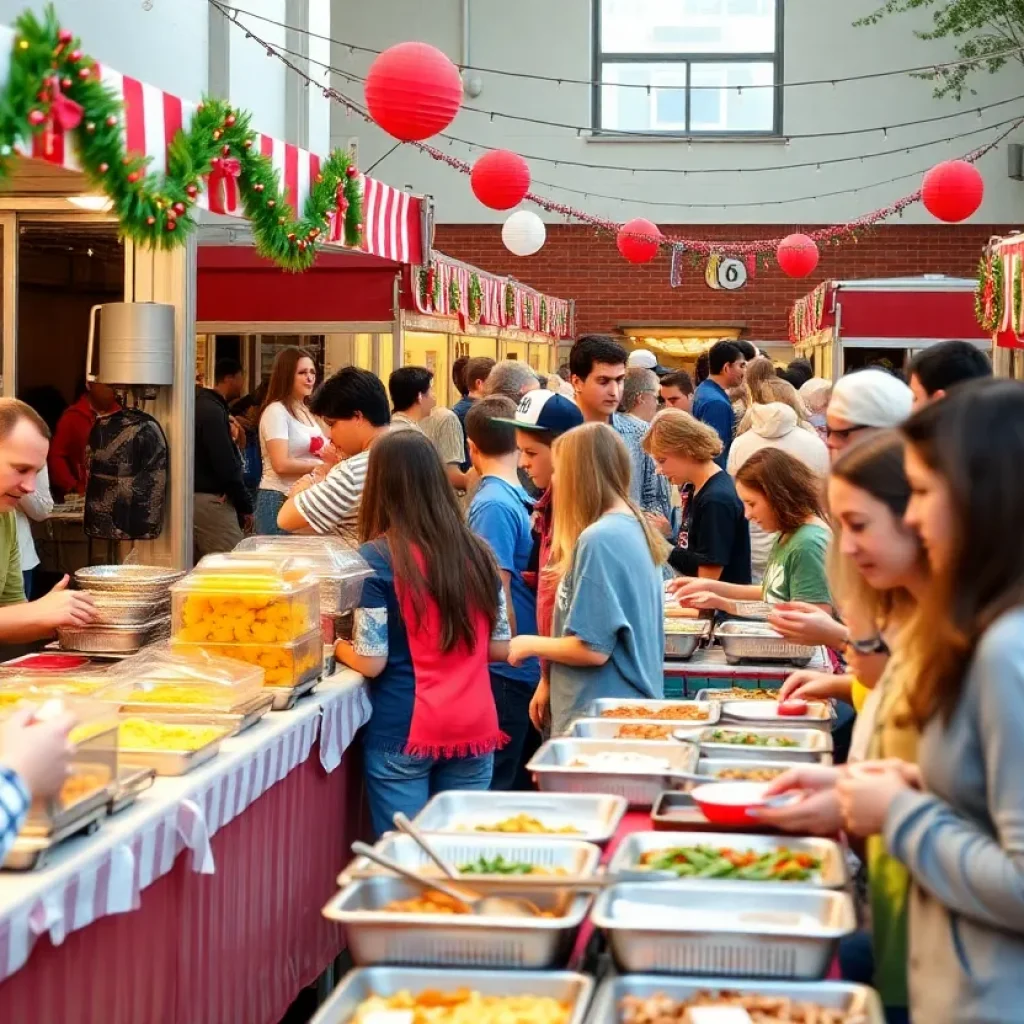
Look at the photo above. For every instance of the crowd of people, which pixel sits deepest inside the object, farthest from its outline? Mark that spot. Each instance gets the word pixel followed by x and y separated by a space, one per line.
pixel 522 546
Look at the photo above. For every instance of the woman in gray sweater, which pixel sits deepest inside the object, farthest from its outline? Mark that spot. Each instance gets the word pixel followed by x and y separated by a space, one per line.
pixel 958 826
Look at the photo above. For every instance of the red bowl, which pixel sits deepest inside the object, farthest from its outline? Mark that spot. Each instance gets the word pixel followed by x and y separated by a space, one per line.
pixel 795 707
pixel 729 803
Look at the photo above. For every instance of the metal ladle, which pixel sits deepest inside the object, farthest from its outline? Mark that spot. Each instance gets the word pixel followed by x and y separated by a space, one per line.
pixel 403 824
pixel 482 906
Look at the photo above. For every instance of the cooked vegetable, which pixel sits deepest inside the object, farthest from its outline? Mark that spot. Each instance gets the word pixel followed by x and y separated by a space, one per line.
pixel 751 739
pixel 673 713
pixel 779 865
pixel 640 731
pixel 462 1006
pixel 526 823
pixel 749 774
pixel 500 866
pixel 762 1009
pixel 738 693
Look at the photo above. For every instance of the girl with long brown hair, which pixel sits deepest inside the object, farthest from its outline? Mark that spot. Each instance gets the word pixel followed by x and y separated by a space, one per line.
pixel 608 633
pixel 429 621
pixel 782 496
pixel 291 441
pixel 955 820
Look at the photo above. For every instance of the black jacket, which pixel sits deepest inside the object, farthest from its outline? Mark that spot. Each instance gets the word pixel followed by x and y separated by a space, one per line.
pixel 218 460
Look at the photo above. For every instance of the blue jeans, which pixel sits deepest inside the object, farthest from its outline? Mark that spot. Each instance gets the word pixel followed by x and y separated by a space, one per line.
pixel 400 782
pixel 512 699
pixel 268 504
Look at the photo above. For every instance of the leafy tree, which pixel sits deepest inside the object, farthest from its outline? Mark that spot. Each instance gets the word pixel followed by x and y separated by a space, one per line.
pixel 988 33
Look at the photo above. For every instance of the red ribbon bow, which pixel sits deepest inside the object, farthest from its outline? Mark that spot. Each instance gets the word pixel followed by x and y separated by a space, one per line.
pixel 337 233
pixel 64 115
pixel 224 174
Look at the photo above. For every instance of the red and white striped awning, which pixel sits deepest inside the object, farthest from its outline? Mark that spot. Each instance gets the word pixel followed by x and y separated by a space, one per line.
pixel 393 219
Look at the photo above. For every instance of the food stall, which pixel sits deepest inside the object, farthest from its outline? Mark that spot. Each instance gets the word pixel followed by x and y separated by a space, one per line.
pixel 998 303
pixel 843 325
pixel 374 312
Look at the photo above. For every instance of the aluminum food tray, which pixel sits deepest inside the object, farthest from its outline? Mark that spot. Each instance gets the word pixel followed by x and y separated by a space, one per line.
pixel 360 984
pixel 677 812
pixel 451 940
pixel 234 722
pixel 608 728
pixel 575 859
pixel 114 639
pixel 598 708
pixel 116 610
pixel 775 931
pixel 552 766
pixel 286 697
pixel 741 642
pixel 46 824
pixel 171 762
pixel 727 693
pixel 755 713
pixel 134 580
pixel 595 817
pixel 832 995
pixel 711 767
pixel 752 609
pixel 624 865
pixel 815 745
pixel 130 784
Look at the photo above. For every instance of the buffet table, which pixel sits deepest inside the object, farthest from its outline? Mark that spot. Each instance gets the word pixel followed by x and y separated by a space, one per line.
pixel 708 668
pixel 122 928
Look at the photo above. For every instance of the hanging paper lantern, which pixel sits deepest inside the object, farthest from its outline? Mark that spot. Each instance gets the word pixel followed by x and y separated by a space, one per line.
pixel 953 190
pixel 413 91
pixel 500 179
pixel 523 233
pixel 797 255
pixel 633 246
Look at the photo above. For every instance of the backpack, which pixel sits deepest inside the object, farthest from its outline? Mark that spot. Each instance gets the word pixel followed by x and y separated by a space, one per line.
pixel 127 480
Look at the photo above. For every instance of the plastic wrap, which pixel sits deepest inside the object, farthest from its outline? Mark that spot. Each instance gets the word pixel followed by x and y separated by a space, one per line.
pixel 283 664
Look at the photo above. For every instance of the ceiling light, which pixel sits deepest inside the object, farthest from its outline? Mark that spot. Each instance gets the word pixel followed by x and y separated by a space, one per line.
pixel 93 203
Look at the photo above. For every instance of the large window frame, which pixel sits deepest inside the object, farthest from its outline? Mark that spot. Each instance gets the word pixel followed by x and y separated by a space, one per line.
pixel 686 60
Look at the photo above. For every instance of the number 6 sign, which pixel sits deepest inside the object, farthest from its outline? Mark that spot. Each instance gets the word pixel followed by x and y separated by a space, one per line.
pixel 732 274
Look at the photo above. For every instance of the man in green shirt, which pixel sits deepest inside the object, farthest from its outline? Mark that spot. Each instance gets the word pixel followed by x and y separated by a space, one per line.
pixel 24 443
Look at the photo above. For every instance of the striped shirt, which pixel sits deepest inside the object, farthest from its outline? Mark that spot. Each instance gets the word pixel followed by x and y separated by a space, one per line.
pixel 443 428
pixel 647 488
pixel 14 801
pixel 332 506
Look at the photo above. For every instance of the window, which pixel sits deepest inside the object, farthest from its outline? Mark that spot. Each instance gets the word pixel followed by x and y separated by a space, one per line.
pixel 688 67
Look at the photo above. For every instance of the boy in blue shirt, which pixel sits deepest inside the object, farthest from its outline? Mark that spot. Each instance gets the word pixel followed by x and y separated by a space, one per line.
pixel 500 514
pixel 711 402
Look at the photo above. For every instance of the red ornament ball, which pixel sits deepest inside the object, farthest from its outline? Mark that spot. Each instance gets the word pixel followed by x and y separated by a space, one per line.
pixel 271 203
pixel 66 82
pixel 36 117
pixel 64 36
pixel 171 224
pixel 636 249
pixel 413 91
pixel 229 120
pixel 75 55
pixel 797 255
pixel 179 209
pixel 103 168
pixel 953 190
pixel 500 179
pixel 258 187
pixel 225 150
pixel 191 191
pixel 352 171
pixel 84 73
pixel 151 220
pixel 111 121
pixel 134 176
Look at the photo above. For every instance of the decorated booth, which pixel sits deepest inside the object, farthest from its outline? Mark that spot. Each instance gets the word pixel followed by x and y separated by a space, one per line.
pixel 999 302
pixel 843 325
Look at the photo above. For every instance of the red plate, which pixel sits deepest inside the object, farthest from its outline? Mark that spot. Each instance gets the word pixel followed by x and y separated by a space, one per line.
pixel 49 662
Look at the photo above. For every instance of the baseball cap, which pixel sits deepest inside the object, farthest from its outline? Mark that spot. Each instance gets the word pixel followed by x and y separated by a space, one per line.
pixel 644 359
pixel 545 412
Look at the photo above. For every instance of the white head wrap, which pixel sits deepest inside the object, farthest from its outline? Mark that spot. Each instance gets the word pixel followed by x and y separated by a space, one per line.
pixel 871 398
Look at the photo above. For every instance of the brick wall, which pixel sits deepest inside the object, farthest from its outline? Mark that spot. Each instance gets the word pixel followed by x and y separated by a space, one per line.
pixel 576 263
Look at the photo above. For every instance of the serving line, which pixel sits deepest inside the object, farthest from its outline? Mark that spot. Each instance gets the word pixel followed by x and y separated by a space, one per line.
pixel 93 876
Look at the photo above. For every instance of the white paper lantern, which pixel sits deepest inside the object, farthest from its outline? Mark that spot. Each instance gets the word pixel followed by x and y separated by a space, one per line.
pixel 523 233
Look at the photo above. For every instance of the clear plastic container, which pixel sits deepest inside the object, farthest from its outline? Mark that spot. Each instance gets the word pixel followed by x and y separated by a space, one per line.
pixel 183 677
pixel 39 686
pixel 233 600
pixel 283 665
pixel 339 567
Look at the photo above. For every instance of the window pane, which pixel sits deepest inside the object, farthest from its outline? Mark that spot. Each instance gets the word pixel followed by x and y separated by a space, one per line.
pixel 688 26
pixel 661 108
pixel 731 106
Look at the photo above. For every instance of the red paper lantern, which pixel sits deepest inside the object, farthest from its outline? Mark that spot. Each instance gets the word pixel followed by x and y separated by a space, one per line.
pixel 953 190
pixel 413 91
pixel 797 255
pixel 633 246
pixel 500 179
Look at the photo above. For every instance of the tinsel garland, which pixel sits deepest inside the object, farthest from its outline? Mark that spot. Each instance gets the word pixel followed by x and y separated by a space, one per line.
pixel 475 298
pixel 54 88
pixel 988 296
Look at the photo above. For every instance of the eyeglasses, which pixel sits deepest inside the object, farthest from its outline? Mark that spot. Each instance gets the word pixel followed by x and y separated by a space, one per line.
pixel 842 435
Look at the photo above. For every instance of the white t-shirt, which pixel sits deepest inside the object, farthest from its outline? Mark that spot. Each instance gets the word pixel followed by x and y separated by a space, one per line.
pixel 36 506
pixel 278 424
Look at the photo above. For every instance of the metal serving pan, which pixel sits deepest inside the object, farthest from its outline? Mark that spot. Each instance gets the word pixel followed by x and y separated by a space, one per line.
pixel 608 729
pixel 113 639
pixel 812 745
pixel 286 697
pixel 749 641
pixel 764 714
pixel 682 641
pixel 592 818
pixel 360 984
pixel 128 580
pixel 31 851
pixel 677 812
pixel 574 859
pixel 624 865
pixel 148 709
pixel 639 784
pixel 376 936
pixel 171 762
pixel 710 709
pixel 713 767
pixel 739 693
pixel 773 931
pixel 860 1003
pixel 131 782
pixel 48 818
pixel 234 722
pixel 117 610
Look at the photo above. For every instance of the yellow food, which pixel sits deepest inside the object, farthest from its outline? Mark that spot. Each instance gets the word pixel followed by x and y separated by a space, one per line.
pixel 738 693
pixel 248 617
pixel 279 664
pixel 466 1006
pixel 526 823
pixel 171 693
pixel 82 784
pixel 141 734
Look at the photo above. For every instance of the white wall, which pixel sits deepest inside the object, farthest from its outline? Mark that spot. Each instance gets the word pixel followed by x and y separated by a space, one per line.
pixel 554 38
pixel 256 80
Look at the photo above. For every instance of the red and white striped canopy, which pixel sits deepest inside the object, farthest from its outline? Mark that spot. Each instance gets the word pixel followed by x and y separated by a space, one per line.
pixel 392 217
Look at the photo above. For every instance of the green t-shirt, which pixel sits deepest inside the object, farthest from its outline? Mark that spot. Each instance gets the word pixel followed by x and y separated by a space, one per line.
pixel 796 567
pixel 13 591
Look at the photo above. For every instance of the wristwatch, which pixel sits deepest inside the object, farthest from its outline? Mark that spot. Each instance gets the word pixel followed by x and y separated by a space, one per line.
pixel 874 645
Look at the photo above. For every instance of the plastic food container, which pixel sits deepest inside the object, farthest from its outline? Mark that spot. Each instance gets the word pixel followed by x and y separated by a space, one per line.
pixel 189 678
pixel 230 600
pixel 283 664
pixel 340 569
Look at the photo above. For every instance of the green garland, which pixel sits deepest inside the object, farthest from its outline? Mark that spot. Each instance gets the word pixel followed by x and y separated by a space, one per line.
pixel 476 297
pixel 543 313
pixel 454 295
pixel 1017 313
pixel 155 209
pixel 510 304
pixel 990 274
pixel 423 286
pixel 435 286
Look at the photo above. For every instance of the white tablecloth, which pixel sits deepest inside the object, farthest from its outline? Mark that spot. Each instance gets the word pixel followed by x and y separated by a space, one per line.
pixel 92 876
